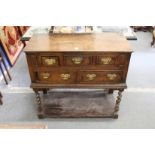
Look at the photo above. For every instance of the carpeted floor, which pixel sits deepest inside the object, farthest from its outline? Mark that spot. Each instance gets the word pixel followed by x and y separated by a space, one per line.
pixel 136 109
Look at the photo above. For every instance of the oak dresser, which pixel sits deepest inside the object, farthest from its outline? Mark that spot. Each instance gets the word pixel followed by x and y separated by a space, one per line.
pixel 97 60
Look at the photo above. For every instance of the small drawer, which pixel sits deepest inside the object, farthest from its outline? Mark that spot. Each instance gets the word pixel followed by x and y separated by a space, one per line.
pixel 61 77
pixel 111 59
pixel 77 60
pixel 100 76
pixel 48 60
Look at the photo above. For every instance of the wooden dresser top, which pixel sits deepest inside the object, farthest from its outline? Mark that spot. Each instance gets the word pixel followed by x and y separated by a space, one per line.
pixel 105 42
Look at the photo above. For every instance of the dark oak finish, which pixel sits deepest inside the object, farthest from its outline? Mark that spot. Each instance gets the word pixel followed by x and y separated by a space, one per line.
pixel 112 42
pixel 77 61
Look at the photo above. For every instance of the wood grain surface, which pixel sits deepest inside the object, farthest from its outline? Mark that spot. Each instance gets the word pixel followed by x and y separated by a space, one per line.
pixel 78 42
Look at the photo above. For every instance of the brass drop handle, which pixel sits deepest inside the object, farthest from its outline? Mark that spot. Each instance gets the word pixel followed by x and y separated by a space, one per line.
pixel 91 76
pixel 50 61
pixel 65 76
pixel 106 60
pixel 77 60
pixel 45 75
pixel 111 76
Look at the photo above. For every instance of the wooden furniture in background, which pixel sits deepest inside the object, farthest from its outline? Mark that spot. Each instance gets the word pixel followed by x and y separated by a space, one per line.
pixel 146 29
pixel 98 60
pixel 142 28
pixel 2 62
pixel 153 37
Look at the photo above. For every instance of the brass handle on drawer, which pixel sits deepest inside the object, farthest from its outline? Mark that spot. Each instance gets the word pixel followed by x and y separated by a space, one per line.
pixel 106 60
pixel 111 76
pixel 65 76
pixel 50 61
pixel 91 76
pixel 77 60
pixel 45 75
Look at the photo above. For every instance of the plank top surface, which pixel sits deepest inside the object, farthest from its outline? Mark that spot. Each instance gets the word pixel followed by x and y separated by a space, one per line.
pixel 99 42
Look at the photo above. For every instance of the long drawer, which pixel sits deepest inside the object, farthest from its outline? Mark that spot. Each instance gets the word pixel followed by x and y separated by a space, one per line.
pixel 89 76
pixel 57 77
pixel 81 76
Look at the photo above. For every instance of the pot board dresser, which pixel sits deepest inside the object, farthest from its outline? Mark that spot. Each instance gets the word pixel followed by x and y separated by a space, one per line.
pixel 97 60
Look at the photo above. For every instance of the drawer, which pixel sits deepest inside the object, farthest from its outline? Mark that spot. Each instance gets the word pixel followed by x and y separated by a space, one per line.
pixel 57 77
pixel 107 59
pixel 48 60
pixel 102 77
pixel 77 60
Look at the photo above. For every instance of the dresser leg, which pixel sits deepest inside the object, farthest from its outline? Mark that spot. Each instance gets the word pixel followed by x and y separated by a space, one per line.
pixel 44 91
pixel 41 115
pixel 153 40
pixel 38 100
pixel 1 102
pixel 118 100
pixel 110 91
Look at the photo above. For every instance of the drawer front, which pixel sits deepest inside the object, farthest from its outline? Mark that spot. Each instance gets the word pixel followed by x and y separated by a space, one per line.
pixel 77 60
pixel 60 77
pixel 48 60
pixel 108 59
pixel 100 76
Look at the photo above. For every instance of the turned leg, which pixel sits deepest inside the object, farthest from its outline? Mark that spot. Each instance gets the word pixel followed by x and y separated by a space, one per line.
pixel 44 91
pixel 153 38
pixel 1 102
pixel 153 41
pixel 38 100
pixel 110 91
pixel 118 100
pixel 1 95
